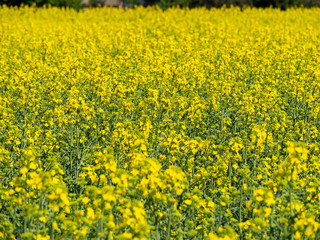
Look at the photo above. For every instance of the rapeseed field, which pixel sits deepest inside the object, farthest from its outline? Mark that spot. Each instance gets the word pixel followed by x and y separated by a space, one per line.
pixel 150 124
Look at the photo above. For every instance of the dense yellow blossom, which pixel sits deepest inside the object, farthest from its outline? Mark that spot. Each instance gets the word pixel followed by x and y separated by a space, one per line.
pixel 149 124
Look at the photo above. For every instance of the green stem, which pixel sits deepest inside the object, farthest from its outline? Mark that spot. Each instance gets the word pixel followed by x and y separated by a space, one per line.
pixel 169 223
pixel 291 209
pixel 240 210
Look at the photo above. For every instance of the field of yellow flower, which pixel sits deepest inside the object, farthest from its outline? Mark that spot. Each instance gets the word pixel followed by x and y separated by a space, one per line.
pixel 150 124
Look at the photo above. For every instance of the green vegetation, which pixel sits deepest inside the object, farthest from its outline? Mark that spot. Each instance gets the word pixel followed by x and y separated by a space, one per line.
pixel 164 4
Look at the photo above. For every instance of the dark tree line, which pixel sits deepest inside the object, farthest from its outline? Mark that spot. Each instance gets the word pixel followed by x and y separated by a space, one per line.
pixel 282 4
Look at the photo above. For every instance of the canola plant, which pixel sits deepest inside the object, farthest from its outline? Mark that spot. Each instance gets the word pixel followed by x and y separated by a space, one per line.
pixel 149 124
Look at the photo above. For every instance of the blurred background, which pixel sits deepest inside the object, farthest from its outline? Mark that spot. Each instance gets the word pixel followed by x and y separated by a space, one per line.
pixel 80 4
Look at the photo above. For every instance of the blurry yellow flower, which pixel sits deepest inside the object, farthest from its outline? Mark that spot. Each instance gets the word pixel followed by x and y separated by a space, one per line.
pixel 55 225
pixel 90 214
pixel 85 200
pixel 23 170
pixel 64 199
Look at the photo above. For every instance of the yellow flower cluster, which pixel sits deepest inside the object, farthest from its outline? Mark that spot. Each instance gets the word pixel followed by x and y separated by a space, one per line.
pixel 149 124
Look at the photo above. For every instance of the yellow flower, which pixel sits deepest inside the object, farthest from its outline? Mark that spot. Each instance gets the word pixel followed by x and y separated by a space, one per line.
pixel 85 200
pixel 90 214
pixel 55 225
pixel 64 199
pixel 23 170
